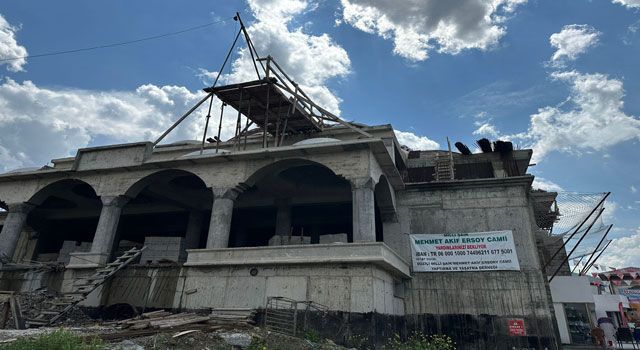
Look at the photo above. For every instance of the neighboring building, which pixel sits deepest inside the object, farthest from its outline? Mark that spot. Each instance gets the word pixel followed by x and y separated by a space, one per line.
pixel 326 215
pixel 626 283
pixel 579 301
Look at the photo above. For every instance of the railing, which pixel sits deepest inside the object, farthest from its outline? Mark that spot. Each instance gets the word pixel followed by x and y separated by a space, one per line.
pixel 282 315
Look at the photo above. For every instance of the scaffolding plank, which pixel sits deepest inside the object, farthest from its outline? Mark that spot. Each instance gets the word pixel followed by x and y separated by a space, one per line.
pixel 267 106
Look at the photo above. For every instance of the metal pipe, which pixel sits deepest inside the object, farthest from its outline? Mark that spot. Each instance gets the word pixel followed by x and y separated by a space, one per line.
pixel 582 272
pixel 181 119
pixel 598 257
pixel 577 244
pixel 576 230
pixel 206 125
pixel 239 120
pixel 246 128
pixel 220 126
pixel 250 46
pixel 266 120
pixel 204 99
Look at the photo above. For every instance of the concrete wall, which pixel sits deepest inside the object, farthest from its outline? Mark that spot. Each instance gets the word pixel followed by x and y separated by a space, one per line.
pixel 359 288
pixel 484 301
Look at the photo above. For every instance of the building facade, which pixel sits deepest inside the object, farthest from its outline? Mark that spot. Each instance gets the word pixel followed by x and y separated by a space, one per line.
pixel 325 217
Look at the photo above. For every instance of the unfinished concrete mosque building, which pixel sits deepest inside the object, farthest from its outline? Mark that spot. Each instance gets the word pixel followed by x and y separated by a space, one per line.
pixel 298 205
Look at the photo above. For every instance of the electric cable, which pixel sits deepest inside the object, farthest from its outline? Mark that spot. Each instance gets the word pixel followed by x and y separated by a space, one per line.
pixel 122 43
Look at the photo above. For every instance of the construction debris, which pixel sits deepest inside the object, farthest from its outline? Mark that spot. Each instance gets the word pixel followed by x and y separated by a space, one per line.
pixel 51 309
pixel 161 319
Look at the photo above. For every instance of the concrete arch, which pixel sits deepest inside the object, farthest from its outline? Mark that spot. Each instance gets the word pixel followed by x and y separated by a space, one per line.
pixel 165 174
pixel 60 186
pixel 385 199
pixel 281 165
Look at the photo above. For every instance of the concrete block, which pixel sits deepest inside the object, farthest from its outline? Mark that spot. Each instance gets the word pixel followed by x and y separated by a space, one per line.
pixel 278 240
pixel 335 238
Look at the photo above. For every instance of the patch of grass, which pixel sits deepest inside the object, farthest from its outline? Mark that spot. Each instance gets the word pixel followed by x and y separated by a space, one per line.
pixel 258 344
pixel 56 340
pixel 358 342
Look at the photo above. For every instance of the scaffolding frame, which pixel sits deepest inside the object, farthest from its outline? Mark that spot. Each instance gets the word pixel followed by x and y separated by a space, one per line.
pixel 274 103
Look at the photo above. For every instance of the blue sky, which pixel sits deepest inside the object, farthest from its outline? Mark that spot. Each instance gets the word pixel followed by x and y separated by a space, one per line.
pixel 463 69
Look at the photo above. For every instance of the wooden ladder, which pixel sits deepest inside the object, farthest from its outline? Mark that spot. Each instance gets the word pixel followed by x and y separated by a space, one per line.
pixel 58 306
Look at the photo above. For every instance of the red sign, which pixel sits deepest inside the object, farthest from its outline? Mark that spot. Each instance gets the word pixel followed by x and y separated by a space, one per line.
pixel 516 327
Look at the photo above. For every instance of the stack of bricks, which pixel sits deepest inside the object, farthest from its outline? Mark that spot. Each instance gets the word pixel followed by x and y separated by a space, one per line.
pixel 160 249
pixel 69 247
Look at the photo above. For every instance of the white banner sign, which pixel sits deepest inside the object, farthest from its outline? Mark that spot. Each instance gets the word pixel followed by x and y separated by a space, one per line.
pixel 478 251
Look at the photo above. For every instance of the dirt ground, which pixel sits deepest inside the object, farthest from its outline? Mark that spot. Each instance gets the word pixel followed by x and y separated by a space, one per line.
pixel 194 340
pixel 201 340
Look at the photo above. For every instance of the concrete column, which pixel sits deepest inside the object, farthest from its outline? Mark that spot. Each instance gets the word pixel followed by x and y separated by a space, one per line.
pixel 13 224
pixel 221 214
pixel 108 225
pixel 364 216
pixel 283 217
pixel 194 227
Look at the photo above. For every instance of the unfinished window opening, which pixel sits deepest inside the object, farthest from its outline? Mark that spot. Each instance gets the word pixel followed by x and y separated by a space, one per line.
pixel 168 213
pixel 63 221
pixel 293 202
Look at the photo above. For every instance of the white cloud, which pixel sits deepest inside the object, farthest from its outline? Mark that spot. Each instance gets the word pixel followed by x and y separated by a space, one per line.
pixel 311 60
pixel 622 252
pixel 38 123
pixel 610 210
pixel 572 41
pixel 633 189
pixel 9 47
pixel 419 26
pixel 486 130
pixel 628 3
pixel 593 121
pixel 416 142
pixel 544 184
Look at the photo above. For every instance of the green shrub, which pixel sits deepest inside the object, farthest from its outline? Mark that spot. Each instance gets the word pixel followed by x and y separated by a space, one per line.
pixel 56 340
pixel 312 336
pixel 419 341
pixel 358 342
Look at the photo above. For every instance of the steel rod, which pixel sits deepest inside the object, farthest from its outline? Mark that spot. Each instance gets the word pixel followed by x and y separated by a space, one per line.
pixel 577 244
pixel 249 45
pixel 576 231
pixel 582 272
pixel 598 257
pixel 181 119
pixel 184 116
